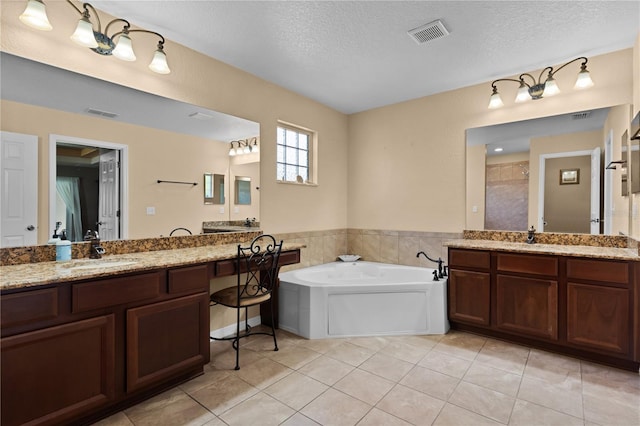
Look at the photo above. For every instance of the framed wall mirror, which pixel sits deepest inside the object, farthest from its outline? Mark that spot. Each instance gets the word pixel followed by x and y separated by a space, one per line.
pixel 213 188
pixel 243 190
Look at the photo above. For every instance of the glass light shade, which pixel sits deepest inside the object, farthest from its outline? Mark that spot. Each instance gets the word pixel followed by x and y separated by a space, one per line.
pixel 255 148
pixel 246 149
pixel 239 151
pixel 523 93
pixel 232 151
pixel 495 101
pixel 123 49
pixel 35 16
pixel 550 88
pixel 83 35
pixel 159 63
pixel 584 80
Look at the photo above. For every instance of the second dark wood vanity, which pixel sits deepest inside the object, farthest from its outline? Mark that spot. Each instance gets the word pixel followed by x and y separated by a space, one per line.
pixel 586 307
pixel 75 350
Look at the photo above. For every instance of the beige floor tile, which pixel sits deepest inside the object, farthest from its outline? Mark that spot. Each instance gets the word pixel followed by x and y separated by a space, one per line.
pixel 336 408
pixel 262 343
pixel 209 377
pixel 263 373
pixel 421 341
pixel 321 345
pixel 326 370
pixel 365 386
pixel 410 405
pixel 560 395
pixel 609 376
pixel 227 360
pixel 452 415
pixel 173 407
pixel 483 401
pixel 527 413
pixel 611 403
pixel 118 419
pixel 498 380
pixel 215 422
pixel 293 357
pixel 377 417
pixel 504 356
pixel 299 420
pixel 461 345
pixel 551 367
pixel 350 354
pixel 260 409
pixel 405 351
pixel 386 366
pixel 430 382
pixel 374 343
pixel 296 390
pixel 224 394
pixel 445 363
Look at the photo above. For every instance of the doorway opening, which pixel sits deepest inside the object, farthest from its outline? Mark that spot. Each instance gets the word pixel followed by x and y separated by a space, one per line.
pixel 87 188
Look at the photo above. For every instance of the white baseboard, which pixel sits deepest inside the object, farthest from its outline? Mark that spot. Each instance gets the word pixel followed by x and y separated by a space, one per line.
pixel 230 330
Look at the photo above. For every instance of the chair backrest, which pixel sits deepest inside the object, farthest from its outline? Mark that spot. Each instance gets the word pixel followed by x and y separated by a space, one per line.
pixel 257 265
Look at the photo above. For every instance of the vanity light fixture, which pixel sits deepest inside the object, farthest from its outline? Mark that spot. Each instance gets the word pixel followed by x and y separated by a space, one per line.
pixel 537 89
pixel 88 34
pixel 245 146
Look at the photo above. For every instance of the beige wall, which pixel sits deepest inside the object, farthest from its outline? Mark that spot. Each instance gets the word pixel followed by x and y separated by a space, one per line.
pixel 204 81
pixel 567 207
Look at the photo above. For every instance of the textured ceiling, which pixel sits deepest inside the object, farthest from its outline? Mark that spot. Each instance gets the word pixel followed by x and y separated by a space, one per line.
pixel 357 55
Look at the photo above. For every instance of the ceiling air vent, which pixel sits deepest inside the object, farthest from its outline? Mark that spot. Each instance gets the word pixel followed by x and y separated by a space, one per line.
pixel 581 115
pixel 102 113
pixel 428 32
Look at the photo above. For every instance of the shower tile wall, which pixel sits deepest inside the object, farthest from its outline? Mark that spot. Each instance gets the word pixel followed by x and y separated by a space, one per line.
pixel 507 196
pixel 396 247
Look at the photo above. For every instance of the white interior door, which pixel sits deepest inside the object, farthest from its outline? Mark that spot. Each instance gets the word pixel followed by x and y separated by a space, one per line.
pixel 595 192
pixel 19 189
pixel 109 196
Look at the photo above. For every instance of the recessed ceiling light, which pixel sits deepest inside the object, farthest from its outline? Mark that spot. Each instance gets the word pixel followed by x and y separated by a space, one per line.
pixel 497 149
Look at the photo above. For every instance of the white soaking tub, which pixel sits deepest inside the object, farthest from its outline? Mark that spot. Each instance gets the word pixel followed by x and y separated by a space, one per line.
pixel 362 299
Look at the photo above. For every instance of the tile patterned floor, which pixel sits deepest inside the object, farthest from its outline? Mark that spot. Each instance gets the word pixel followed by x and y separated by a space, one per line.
pixel 456 379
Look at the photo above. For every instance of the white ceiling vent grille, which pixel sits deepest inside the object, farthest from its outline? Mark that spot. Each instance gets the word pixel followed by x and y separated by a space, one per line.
pixel 431 31
pixel 581 115
pixel 102 113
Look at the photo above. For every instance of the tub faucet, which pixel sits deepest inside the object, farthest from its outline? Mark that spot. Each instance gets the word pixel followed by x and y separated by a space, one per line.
pixel 442 270
pixel 96 249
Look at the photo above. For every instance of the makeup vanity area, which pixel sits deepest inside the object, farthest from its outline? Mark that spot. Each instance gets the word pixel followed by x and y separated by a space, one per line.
pixel 88 337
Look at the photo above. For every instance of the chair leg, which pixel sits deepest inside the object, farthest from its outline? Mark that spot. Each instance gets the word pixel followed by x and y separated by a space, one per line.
pixel 237 341
pixel 246 320
pixel 273 328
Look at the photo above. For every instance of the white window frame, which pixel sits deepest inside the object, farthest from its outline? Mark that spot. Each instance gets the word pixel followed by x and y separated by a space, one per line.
pixel 311 153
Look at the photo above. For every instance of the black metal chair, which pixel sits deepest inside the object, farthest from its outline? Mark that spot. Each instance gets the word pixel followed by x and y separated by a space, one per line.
pixel 257 276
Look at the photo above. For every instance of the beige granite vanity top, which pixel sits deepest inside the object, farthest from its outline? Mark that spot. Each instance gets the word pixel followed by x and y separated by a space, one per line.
pixel 34 274
pixel 555 249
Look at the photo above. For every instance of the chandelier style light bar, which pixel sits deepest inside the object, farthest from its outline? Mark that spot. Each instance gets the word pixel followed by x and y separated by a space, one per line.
pixel 539 88
pixel 117 44
pixel 245 146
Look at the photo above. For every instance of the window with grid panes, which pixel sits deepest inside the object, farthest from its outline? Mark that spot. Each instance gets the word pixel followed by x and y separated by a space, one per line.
pixel 294 154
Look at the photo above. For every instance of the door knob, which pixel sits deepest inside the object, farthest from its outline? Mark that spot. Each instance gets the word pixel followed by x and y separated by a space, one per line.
pixel 30 228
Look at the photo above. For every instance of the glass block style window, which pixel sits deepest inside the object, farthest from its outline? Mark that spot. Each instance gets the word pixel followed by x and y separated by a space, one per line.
pixel 294 154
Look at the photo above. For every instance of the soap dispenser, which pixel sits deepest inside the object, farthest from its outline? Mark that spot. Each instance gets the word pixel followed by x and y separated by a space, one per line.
pixel 63 250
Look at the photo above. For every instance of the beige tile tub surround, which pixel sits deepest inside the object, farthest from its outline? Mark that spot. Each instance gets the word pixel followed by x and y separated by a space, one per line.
pixel 461 379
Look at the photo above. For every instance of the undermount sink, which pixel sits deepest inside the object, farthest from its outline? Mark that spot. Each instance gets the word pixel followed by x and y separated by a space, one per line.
pixel 100 264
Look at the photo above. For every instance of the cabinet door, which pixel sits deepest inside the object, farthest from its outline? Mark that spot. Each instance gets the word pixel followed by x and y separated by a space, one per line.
pixel 166 339
pixel 58 373
pixel 598 317
pixel 527 305
pixel 469 297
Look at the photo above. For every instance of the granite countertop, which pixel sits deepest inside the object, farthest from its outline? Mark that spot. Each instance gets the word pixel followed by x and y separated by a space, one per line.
pixel 556 249
pixel 230 228
pixel 35 274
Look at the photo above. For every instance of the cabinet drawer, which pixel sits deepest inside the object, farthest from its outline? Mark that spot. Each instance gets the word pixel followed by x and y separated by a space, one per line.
pixel 536 265
pixel 115 291
pixel 191 279
pixel 29 306
pixel 598 270
pixel 469 259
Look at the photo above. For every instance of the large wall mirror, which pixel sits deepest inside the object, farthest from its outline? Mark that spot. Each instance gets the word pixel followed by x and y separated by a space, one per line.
pixel 110 147
pixel 515 170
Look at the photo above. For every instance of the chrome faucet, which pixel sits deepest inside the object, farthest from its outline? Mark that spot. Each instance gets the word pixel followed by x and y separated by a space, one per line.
pixel 96 249
pixel 442 270
pixel 249 222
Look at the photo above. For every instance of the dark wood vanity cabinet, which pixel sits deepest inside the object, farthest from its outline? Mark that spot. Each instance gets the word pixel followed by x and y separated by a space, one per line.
pixel 75 349
pixel 581 306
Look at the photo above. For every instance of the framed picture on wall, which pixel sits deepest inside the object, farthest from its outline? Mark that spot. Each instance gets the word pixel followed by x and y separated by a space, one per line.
pixel 569 176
